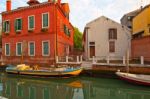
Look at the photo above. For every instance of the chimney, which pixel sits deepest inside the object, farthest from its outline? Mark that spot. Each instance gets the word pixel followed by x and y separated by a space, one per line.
pixel 8 5
pixel 55 1
pixel 33 2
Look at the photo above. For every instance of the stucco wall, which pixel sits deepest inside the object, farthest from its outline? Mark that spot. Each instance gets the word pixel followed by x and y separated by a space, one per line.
pixel 98 33
pixel 141 47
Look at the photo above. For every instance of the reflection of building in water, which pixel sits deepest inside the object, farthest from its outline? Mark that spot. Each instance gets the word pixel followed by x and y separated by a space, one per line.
pixel 84 88
pixel 14 89
pixel 109 90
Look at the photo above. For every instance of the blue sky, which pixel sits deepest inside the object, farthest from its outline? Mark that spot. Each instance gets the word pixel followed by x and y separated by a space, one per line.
pixel 83 11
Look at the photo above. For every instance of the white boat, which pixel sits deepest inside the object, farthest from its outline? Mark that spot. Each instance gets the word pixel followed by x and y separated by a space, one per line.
pixel 135 78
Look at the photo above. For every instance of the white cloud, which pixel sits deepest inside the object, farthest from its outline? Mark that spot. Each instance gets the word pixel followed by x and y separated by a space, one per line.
pixel 83 11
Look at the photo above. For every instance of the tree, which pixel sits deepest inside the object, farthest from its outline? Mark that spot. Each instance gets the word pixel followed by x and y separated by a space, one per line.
pixel 77 39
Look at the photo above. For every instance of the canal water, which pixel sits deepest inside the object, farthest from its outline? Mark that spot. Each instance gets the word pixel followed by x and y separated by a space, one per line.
pixel 21 87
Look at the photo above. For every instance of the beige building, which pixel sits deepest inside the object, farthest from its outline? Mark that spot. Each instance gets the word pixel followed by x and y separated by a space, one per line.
pixel 104 38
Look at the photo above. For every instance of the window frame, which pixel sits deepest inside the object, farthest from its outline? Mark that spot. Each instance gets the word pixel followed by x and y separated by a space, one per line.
pixel 112 33
pixel 48 48
pixel 3 26
pixel 5 49
pixel 29 48
pixel 17 24
pixel 43 22
pixel 110 46
pixel 17 49
pixel 29 22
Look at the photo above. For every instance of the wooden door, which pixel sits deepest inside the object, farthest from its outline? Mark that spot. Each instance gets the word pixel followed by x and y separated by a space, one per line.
pixel 92 51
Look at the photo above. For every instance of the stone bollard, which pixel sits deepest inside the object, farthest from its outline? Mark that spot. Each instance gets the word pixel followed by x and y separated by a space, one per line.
pixel 56 59
pixel 77 59
pixel 81 58
pixel 142 60
pixel 66 59
pixel 108 61
pixel 124 60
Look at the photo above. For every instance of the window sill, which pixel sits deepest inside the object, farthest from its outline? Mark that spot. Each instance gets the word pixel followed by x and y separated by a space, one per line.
pixel 44 29
pixel 18 31
pixel 30 30
pixel 6 33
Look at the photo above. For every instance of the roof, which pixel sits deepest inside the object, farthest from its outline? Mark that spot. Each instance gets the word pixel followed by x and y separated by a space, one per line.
pixel 147 6
pixel 101 17
pixel 27 7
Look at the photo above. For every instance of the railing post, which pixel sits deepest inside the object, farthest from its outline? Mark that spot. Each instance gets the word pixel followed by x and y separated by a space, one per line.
pixel 108 61
pixel 66 59
pixel 57 59
pixel 77 59
pixel 81 60
pixel 142 60
pixel 124 60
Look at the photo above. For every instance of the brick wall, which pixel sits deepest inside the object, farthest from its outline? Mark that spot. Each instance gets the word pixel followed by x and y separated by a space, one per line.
pixel 141 47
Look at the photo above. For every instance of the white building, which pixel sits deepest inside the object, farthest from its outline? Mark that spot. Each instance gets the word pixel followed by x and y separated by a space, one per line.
pixel 105 38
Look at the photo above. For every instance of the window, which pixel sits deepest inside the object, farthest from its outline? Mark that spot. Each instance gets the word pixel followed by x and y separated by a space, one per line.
pixel 111 46
pixel 31 22
pixel 66 30
pixel 45 20
pixel 112 33
pixel 31 49
pixel 18 24
pixel 19 49
pixel 46 93
pixel 45 48
pixel 19 91
pixel 32 93
pixel 7 49
pixel 6 26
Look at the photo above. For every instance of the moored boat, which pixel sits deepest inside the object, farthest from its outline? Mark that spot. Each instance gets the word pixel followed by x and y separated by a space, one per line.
pixel 139 79
pixel 49 72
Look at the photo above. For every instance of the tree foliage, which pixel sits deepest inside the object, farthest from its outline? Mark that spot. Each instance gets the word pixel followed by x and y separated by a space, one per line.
pixel 77 39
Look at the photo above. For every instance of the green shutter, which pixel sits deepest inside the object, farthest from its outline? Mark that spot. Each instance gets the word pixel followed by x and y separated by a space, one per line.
pixel 32 49
pixel 19 91
pixel 19 51
pixel 45 20
pixel 31 22
pixel 32 93
pixel 46 93
pixel 7 49
pixel 20 24
pixel 16 25
pixel 4 27
pixel 46 48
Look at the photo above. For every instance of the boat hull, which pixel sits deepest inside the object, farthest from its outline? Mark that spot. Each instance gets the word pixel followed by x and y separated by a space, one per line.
pixel 46 73
pixel 133 80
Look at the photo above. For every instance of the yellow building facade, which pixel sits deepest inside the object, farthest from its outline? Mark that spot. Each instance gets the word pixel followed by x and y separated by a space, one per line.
pixel 141 23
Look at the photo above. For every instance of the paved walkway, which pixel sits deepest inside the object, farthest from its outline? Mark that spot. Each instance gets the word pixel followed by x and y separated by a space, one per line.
pixel 87 65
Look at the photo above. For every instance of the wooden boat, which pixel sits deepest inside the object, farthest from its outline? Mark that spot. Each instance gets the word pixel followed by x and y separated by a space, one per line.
pixel 49 72
pixel 139 79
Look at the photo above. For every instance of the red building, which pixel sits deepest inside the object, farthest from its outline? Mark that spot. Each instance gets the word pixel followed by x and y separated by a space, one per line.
pixel 36 33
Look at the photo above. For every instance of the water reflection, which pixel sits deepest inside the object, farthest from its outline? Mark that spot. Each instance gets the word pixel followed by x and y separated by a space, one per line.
pixel 16 87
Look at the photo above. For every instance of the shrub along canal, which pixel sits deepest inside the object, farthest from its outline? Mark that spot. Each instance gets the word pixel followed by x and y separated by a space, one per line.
pixel 22 87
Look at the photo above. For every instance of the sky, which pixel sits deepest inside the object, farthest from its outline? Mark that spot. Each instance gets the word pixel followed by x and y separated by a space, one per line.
pixel 84 11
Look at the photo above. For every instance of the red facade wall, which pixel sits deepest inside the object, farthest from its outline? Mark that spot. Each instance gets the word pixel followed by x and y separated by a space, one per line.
pixel 37 35
pixel 141 47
